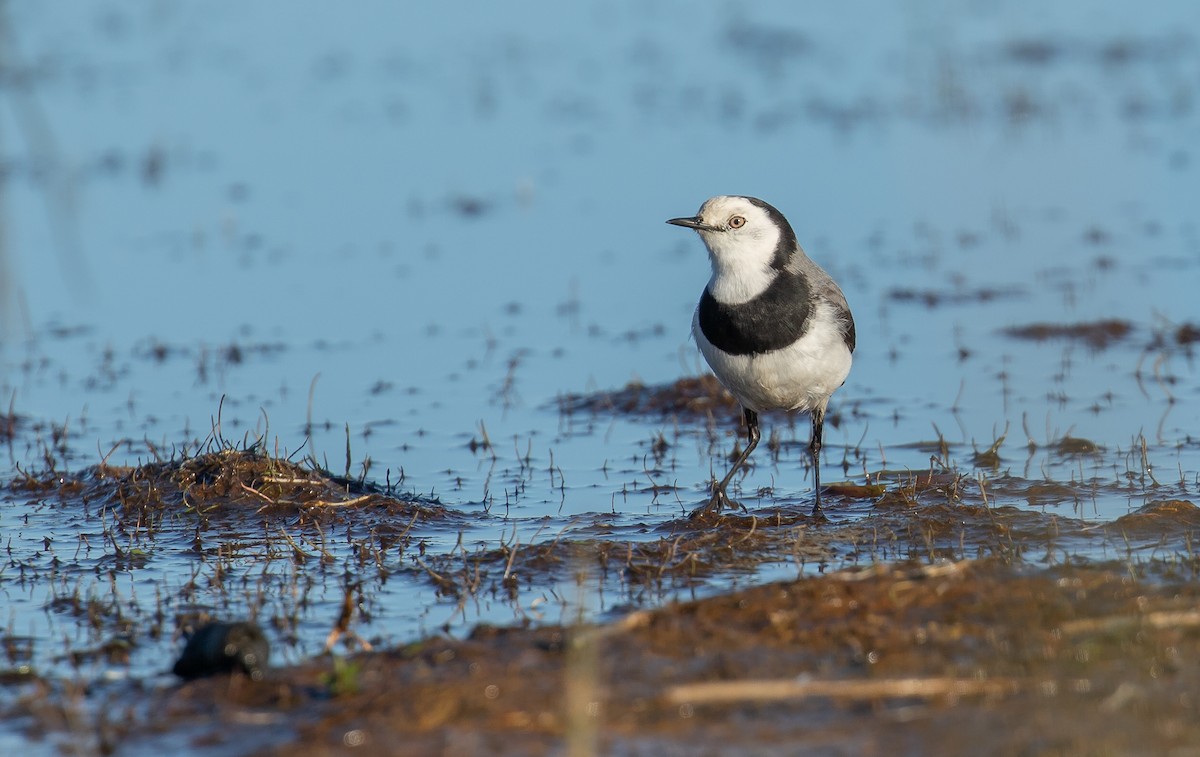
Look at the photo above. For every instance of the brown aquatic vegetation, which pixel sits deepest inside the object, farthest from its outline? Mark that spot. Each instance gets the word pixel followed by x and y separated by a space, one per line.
pixel 1074 445
pixel 687 551
pixel 1159 516
pixel 1096 334
pixel 1187 333
pixel 692 396
pixel 932 298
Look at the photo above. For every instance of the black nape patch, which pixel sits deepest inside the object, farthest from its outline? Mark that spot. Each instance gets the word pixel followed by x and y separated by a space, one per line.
pixel 770 321
pixel 787 238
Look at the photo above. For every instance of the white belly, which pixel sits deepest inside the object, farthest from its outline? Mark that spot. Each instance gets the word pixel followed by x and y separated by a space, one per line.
pixel 800 376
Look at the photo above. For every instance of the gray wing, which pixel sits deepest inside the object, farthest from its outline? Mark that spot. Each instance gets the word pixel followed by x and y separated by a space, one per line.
pixel 825 289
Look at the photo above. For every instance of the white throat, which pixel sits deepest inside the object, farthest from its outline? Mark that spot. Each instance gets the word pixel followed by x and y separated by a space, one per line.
pixel 733 285
pixel 741 269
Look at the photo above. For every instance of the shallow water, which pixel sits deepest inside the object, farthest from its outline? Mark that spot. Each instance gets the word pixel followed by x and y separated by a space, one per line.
pixel 420 229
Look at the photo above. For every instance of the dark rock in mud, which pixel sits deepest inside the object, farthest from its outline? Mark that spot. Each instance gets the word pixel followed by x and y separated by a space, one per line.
pixel 224 648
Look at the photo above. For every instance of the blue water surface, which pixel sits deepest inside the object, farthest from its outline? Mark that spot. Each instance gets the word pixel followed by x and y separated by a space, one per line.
pixel 415 225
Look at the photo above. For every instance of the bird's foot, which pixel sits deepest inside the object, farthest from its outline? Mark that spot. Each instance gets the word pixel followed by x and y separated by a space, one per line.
pixel 719 501
pixel 818 512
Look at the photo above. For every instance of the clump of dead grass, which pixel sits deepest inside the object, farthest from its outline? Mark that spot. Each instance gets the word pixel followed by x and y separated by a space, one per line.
pixel 234 478
pixel 241 480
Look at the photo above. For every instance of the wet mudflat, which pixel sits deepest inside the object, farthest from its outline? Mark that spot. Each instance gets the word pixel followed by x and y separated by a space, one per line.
pixel 954 657
pixel 934 632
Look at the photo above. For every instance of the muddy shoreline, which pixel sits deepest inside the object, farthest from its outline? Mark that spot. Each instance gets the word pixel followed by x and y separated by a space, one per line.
pixel 942 636
pixel 974 656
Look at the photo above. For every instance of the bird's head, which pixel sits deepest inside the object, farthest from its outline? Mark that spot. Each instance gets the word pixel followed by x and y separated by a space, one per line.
pixel 748 240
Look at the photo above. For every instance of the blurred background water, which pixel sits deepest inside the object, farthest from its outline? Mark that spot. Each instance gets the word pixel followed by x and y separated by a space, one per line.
pixel 419 224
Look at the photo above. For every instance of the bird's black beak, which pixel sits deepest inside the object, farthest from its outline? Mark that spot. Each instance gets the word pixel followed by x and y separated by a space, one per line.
pixel 691 223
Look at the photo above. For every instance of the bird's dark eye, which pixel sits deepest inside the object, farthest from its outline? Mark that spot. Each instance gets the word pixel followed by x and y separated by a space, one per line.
pixel 737 222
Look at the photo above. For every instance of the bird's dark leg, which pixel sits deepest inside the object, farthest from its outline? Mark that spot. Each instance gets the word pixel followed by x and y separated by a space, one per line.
pixel 719 498
pixel 814 450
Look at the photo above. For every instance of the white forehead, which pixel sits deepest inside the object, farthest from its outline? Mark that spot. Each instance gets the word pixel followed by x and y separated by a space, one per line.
pixel 719 209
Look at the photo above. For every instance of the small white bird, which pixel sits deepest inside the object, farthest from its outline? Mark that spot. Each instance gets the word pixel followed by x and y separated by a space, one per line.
pixel 774 327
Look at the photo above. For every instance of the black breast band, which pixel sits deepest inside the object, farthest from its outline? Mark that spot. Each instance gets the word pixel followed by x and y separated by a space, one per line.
pixel 770 321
